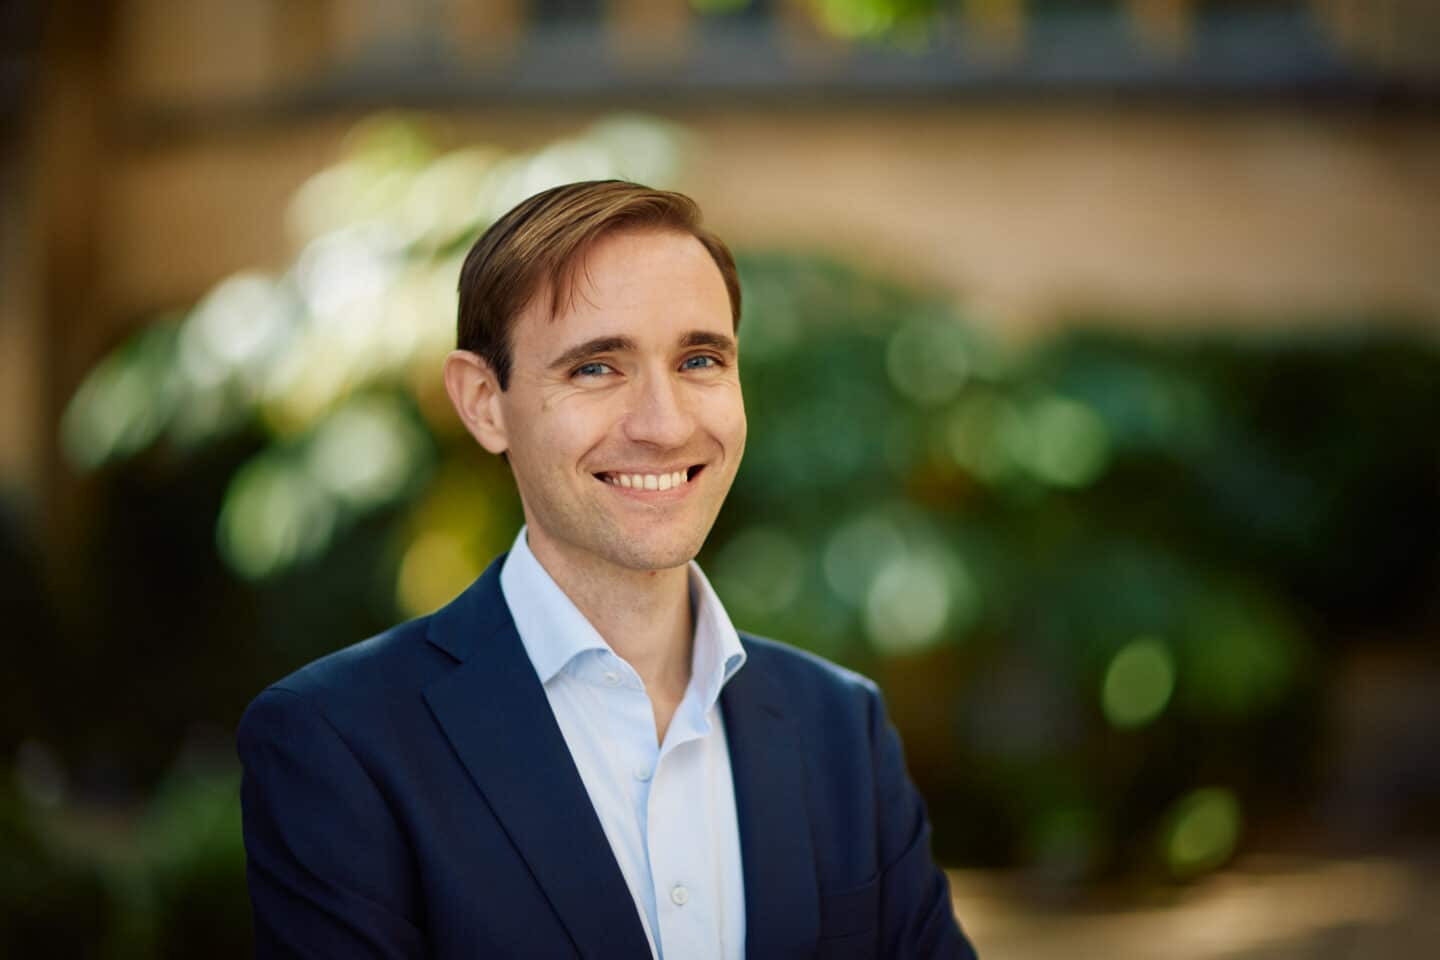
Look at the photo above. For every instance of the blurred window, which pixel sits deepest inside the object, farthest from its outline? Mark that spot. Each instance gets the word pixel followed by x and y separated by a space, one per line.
pixel 567 11
pixel 1250 8
pixel 1042 8
pixel 737 11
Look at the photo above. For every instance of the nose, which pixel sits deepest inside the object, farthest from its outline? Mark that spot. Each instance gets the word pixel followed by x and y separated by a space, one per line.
pixel 659 413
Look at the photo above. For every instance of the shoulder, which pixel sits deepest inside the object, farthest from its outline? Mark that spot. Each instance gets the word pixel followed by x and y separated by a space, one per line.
pixel 807 681
pixel 386 663
pixel 375 689
pixel 801 665
pixel 352 686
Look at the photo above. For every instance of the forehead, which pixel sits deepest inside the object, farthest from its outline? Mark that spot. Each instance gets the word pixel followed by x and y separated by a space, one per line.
pixel 641 265
pixel 632 280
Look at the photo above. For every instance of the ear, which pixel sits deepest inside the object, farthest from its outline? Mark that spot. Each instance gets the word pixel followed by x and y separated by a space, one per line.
pixel 474 391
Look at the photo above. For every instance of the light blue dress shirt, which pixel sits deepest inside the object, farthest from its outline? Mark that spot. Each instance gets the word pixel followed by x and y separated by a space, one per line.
pixel 668 809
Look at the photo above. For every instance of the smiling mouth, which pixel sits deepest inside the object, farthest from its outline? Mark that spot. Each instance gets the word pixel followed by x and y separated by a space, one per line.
pixel 651 481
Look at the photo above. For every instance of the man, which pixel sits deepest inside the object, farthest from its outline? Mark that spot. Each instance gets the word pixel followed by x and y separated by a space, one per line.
pixel 580 756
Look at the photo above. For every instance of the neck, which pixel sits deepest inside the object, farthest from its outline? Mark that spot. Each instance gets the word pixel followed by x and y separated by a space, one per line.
pixel 644 615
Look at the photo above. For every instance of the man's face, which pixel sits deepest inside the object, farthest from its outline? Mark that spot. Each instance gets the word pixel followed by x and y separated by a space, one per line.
pixel 623 417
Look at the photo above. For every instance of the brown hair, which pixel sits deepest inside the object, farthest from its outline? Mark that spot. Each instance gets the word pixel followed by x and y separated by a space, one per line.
pixel 539 244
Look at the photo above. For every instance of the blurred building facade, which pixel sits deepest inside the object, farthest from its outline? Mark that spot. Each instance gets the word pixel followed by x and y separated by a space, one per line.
pixel 1156 157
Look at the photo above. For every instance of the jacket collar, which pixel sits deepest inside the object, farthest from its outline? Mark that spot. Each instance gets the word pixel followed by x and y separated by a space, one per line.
pixel 767 763
pixel 494 712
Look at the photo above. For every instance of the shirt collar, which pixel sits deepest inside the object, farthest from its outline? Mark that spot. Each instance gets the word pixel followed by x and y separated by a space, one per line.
pixel 717 652
pixel 555 632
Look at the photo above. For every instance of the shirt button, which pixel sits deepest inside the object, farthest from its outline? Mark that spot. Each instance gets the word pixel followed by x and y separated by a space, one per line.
pixel 679 894
pixel 611 678
pixel 641 773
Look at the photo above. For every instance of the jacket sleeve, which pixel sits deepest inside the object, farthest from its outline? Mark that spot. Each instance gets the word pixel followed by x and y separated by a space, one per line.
pixel 330 874
pixel 917 918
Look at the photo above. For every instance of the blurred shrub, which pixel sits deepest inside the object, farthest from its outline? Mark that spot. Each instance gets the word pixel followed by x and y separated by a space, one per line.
pixel 29 617
pixel 51 904
pixel 188 896
pixel 171 885
pixel 1095 574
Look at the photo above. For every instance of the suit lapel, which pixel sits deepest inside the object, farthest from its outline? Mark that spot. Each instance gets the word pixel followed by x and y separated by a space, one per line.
pixel 493 709
pixel 782 906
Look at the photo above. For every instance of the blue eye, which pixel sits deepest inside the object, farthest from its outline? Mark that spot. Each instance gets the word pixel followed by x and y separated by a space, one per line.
pixel 592 369
pixel 699 363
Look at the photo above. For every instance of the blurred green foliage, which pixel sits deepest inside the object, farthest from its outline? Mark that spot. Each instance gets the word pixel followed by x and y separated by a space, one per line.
pixel 173 887
pixel 1100 577
pixel 187 890
pixel 51 904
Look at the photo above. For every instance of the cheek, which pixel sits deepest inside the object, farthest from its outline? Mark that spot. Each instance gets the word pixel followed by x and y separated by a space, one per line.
pixel 558 437
pixel 741 429
pixel 725 417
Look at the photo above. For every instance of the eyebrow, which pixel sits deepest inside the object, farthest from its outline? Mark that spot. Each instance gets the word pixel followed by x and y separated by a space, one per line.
pixel 591 347
pixel 695 338
pixel 704 338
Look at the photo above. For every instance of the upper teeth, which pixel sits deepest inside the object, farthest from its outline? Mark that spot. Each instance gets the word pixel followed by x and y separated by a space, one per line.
pixel 647 481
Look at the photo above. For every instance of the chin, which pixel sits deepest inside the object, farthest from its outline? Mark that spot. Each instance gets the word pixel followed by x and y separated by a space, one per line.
pixel 638 555
pixel 648 560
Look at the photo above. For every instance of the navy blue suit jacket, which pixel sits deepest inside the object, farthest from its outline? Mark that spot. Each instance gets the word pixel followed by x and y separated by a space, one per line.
pixel 412 796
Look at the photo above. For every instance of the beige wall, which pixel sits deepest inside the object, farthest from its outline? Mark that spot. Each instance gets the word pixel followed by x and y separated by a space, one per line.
pixel 1030 213
pixel 1027 213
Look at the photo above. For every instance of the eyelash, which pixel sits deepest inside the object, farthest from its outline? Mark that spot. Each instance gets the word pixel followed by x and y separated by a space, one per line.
pixel 712 361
